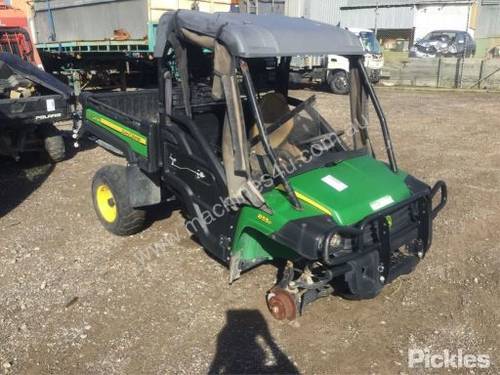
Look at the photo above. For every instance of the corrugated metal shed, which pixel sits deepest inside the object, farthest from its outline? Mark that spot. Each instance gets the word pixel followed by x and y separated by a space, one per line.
pixel 385 3
pixel 397 14
pixel 388 18
pixel 263 7
pixel 327 11
pixel 488 24
pixel 294 8
pixel 342 11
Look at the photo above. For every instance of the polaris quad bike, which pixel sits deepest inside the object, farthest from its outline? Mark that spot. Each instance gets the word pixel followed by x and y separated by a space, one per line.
pixel 262 176
pixel 31 100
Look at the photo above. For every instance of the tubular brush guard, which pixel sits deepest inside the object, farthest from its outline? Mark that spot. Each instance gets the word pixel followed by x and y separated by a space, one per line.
pixel 389 243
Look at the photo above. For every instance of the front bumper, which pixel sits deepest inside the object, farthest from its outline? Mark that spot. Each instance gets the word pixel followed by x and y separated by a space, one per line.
pixel 388 243
pixel 421 54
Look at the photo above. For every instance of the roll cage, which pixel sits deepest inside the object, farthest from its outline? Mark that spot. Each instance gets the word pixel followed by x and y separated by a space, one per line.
pixel 219 41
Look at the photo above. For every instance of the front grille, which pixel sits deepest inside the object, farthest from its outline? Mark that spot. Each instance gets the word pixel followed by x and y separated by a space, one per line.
pixel 400 219
pixel 370 234
pixel 400 222
pixel 423 49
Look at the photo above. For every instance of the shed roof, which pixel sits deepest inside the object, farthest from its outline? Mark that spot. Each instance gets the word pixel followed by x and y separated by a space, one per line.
pixel 248 35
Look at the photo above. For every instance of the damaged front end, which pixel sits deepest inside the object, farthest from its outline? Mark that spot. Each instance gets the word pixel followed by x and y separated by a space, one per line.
pixel 357 261
pixel 433 48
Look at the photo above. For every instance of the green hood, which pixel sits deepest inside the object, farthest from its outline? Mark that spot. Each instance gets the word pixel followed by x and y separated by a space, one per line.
pixel 351 190
pixel 348 192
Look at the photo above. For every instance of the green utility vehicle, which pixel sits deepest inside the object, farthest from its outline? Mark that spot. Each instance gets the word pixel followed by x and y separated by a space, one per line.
pixel 261 176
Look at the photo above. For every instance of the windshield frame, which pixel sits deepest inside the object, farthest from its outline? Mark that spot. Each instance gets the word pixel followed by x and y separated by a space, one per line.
pixel 337 150
pixel 433 35
pixel 364 82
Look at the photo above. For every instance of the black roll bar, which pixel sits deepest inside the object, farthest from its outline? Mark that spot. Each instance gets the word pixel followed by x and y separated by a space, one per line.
pixel 252 96
pixel 380 115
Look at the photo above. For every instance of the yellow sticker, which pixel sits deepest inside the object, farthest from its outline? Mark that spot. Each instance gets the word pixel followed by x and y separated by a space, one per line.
pixel 140 139
pixel 264 219
pixel 388 220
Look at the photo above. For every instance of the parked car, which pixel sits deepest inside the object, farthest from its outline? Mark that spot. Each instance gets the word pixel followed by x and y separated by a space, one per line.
pixel 446 43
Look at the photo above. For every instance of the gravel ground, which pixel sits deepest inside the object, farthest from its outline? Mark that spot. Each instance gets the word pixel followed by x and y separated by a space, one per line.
pixel 76 299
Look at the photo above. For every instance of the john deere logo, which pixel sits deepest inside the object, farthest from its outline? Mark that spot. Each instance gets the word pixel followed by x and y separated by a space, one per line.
pixel 388 220
pixel 264 219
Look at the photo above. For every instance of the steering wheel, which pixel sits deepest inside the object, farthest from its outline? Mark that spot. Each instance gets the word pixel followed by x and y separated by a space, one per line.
pixel 317 140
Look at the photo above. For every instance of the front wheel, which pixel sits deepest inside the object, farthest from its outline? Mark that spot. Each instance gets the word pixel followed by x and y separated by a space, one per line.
pixel 375 76
pixel 112 204
pixel 339 83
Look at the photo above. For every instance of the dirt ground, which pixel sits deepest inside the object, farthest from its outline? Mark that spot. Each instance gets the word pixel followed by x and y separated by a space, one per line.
pixel 77 300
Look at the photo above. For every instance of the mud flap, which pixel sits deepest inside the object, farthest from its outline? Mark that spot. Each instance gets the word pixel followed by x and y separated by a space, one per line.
pixel 143 191
pixel 364 278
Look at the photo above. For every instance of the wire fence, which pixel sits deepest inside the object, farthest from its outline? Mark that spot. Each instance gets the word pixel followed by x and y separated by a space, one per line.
pixel 444 72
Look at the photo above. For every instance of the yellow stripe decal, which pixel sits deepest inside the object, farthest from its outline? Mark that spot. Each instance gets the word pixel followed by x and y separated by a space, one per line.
pixel 125 132
pixel 313 203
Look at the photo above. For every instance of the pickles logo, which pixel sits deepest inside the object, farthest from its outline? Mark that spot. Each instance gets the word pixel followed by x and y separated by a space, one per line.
pixel 424 358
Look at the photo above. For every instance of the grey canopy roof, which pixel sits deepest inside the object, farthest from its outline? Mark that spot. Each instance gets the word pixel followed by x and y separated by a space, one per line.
pixel 248 35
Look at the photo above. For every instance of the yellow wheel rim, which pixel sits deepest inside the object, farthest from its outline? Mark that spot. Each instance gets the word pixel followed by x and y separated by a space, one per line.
pixel 106 203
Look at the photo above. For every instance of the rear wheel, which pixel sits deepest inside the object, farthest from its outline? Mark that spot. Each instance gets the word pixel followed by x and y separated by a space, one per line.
pixel 111 202
pixel 55 148
pixel 339 82
pixel 53 143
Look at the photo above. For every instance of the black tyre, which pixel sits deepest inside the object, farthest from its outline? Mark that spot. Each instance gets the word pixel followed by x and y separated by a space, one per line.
pixel 375 77
pixel 339 82
pixel 111 202
pixel 55 148
pixel 53 143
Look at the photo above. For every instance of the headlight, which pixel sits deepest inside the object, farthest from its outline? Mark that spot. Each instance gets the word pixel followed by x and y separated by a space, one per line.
pixel 335 242
pixel 338 245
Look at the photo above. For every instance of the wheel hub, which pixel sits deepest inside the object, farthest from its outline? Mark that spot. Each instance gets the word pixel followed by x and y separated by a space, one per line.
pixel 281 304
pixel 106 203
pixel 341 83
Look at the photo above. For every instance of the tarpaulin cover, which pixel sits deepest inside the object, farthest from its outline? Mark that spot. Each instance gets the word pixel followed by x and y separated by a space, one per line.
pixel 31 72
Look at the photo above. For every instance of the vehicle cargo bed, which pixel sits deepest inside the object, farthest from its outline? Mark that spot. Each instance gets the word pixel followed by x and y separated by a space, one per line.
pixel 34 109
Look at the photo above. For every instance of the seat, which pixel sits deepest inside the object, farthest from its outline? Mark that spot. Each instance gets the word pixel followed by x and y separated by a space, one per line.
pixel 274 106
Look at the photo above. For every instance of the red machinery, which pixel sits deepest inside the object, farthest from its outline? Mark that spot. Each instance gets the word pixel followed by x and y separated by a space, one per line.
pixel 14 34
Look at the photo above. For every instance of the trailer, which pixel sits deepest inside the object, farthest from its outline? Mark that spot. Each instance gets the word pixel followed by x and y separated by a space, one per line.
pixel 106 43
